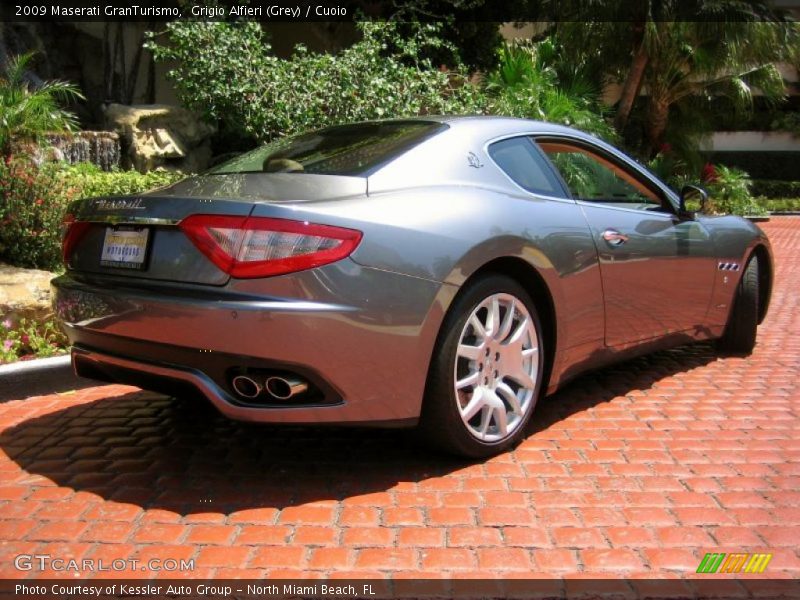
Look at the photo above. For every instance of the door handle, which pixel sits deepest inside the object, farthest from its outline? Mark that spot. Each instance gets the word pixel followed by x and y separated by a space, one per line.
pixel 614 237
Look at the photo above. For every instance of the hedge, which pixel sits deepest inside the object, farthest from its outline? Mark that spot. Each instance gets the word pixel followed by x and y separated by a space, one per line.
pixel 771 188
pixel 779 204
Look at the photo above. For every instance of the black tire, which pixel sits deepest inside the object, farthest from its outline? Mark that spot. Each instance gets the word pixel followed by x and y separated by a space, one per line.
pixel 740 332
pixel 441 421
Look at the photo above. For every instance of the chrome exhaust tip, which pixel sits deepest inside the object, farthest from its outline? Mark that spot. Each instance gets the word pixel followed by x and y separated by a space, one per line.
pixel 284 388
pixel 246 387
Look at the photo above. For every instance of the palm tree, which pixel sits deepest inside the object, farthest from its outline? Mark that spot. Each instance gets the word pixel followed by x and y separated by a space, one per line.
pixel 696 59
pixel 27 112
pixel 674 50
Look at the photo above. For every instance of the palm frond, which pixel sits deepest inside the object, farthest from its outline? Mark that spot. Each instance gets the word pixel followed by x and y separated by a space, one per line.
pixel 28 111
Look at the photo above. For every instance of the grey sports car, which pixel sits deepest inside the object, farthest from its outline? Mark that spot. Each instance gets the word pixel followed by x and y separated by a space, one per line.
pixel 440 272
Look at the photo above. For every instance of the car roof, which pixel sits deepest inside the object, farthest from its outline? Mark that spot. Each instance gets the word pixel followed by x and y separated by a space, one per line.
pixel 460 151
pixel 499 124
pixel 483 127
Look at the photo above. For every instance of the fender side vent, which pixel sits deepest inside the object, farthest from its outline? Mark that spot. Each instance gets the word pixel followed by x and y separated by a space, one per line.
pixel 728 266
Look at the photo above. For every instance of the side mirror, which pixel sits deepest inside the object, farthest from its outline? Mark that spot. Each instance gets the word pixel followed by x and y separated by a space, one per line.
pixel 693 199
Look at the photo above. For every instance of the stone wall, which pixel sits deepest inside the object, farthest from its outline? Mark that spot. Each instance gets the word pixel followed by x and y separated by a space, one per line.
pixel 161 136
pixel 24 293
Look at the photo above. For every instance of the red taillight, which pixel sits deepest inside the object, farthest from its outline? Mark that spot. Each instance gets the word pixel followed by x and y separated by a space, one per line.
pixel 73 233
pixel 247 247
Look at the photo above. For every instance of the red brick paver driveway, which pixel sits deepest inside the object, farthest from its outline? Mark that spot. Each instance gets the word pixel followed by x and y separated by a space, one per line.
pixel 638 470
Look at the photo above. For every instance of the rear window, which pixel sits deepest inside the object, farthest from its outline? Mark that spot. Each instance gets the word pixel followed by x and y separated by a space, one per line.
pixel 522 162
pixel 355 150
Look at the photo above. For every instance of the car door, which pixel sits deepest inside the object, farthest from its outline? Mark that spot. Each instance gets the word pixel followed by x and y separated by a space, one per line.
pixel 657 269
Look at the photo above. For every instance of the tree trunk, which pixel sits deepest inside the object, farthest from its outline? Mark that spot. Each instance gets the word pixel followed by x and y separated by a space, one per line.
pixel 656 124
pixel 630 90
pixel 639 61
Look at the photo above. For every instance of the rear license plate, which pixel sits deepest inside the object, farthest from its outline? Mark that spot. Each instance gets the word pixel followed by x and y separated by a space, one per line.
pixel 125 247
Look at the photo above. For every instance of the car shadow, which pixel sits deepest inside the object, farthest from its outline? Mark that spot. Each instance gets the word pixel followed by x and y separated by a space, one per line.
pixel 181 455
pixel 621 379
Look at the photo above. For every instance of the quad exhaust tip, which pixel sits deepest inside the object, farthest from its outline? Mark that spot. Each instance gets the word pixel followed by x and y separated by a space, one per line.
pixel 285 388
pixel 246 387
pixel 275 387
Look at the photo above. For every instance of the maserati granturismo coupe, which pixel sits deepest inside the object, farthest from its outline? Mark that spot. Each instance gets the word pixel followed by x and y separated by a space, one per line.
pixel 435 272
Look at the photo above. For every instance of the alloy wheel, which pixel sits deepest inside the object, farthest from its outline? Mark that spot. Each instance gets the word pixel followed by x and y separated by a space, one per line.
pixel 496 367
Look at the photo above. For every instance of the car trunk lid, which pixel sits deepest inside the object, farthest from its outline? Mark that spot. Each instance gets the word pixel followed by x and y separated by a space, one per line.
pixel 138 237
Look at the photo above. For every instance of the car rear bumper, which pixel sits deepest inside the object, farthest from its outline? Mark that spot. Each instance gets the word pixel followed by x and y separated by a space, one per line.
pixel 362 339
pixel 178 381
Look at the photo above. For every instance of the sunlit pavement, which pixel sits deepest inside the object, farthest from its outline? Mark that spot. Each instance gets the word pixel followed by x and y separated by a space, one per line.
pixel 636 470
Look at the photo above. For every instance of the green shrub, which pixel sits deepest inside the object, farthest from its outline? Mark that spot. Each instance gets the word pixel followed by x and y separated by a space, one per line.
pixel 526 84
pixel 774 188
pixel 729 192
pixel 88 180
pixel 32 202
pixel 33 199
pixel 237 80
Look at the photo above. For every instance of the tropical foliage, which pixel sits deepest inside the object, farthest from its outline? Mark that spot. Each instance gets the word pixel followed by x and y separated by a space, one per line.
pixel 532 82
pixel 239 81
pixel 28 111
pixel 729 192
pixel 681 54
pixel 691 61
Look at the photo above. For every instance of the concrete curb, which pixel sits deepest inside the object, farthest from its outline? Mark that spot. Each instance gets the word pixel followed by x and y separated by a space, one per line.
pixel 38 377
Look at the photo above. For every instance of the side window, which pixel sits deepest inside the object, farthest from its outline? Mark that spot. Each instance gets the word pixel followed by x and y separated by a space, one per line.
pixel 523 163
pixel 591 177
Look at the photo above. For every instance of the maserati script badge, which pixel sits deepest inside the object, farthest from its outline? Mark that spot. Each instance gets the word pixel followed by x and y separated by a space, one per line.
pixel 120 203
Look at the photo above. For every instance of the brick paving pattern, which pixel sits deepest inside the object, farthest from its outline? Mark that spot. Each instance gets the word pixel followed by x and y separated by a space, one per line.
pixel 636 470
